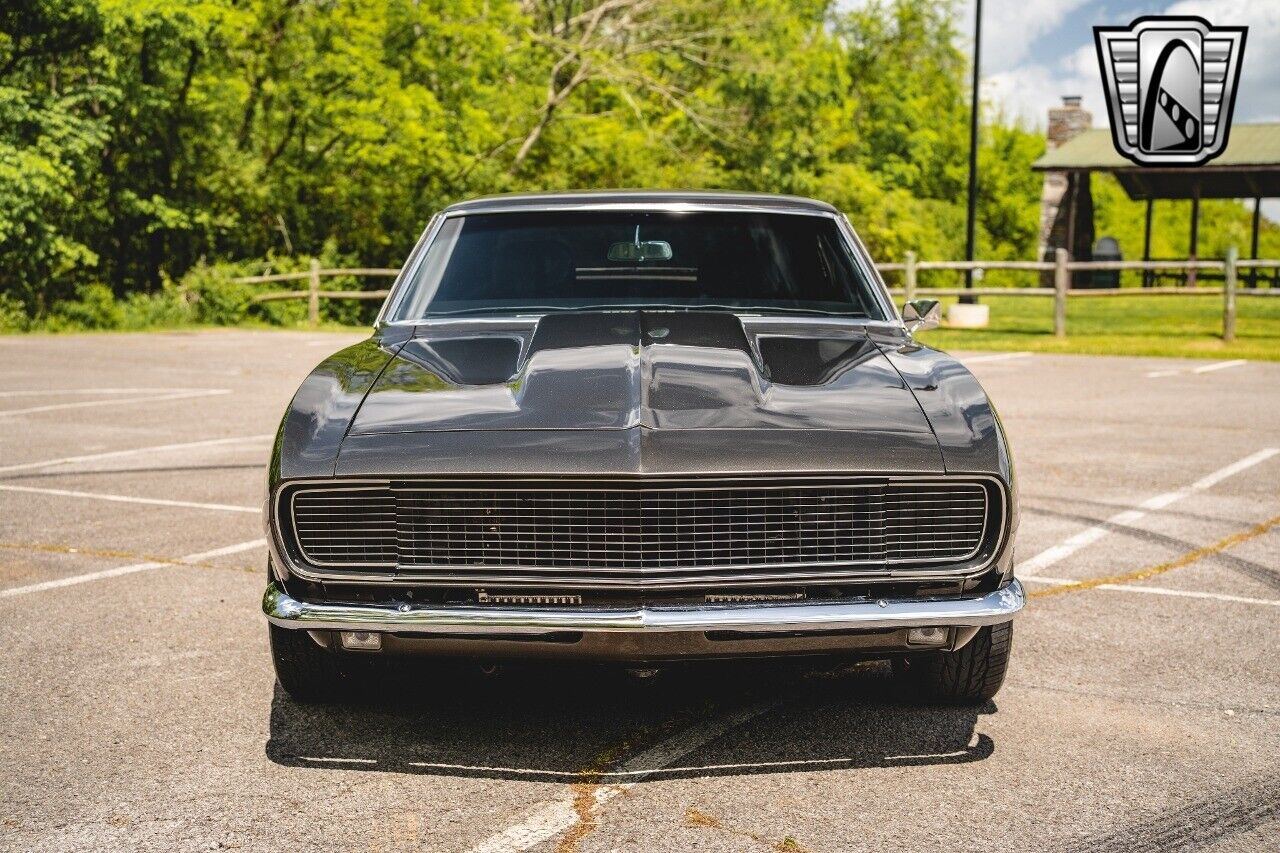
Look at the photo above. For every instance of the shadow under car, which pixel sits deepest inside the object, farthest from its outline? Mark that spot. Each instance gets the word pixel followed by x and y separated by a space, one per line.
pixel 566 723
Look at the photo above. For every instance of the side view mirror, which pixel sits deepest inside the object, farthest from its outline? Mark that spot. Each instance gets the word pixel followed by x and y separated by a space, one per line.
pixel 921 314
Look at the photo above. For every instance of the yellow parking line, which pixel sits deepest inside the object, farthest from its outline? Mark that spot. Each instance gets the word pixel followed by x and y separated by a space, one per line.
pixel 150 565
pixel 49 548
pixel 115 401
pixel 150 562
pixel 1159 569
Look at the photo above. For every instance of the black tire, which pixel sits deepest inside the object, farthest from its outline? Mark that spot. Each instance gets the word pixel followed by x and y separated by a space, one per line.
pixel 970 675
pixel 310 673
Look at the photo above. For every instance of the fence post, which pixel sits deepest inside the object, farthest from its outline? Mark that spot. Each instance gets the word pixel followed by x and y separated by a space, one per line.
pixel 1229 296
pixel 1061 279
pixel 313 293
pixel 909 277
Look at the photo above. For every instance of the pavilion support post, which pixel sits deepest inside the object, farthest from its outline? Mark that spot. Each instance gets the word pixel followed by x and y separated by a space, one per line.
pixel 1229 295
pixel 1146 244
pixel 1074 189
pixel 1253 242
pixel 1195 236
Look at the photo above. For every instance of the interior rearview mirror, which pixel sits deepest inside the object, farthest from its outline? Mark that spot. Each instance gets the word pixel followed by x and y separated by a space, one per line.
pixel 641 250
pixel 921 314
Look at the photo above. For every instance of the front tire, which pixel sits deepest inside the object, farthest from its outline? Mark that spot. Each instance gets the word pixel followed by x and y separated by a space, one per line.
pixel 968 676
pixel 310 673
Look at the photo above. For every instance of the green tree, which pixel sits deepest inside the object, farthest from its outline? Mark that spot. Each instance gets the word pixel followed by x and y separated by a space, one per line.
pixel 53 128
pixel 143 139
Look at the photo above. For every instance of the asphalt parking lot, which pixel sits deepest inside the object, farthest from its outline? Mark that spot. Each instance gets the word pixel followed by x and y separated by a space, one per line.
pixel 139 710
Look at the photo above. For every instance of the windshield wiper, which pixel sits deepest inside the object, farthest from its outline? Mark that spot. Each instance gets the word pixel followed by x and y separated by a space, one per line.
pixel 750 309
pixel 536 309
pixel 518 309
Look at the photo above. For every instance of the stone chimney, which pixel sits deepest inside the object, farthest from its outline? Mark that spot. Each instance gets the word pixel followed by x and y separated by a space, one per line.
pixel 1066 204
pixel 1068 121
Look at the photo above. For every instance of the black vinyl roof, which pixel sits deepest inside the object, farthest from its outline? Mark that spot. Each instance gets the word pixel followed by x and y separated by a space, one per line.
pixel 622 198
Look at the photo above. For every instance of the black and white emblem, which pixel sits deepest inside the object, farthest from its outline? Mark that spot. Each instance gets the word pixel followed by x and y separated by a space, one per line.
pixel 1171 86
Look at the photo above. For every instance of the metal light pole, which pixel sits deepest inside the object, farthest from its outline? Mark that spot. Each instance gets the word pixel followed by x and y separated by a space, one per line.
pixel 973 153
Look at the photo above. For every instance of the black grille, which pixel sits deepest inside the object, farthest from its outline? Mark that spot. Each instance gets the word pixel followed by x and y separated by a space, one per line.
pixel 346 526
pixel 650 532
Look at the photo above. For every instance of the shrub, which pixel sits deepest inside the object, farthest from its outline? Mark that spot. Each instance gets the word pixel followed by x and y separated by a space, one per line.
pixel 348 312
pixel 94 307
pixel 13 316
pixel 283 312
pixel 206 294
pixel 170 307
pixel 219 300
pixel 215 297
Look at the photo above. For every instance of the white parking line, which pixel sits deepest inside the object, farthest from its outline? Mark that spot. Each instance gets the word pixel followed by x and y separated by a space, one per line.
pixel 1003 356
pixel 1049 581
pixel 114 401
pixel 1208 368
pixel 557 816
pixel 1215 596
pixel 1089 535
pixel 1155 590
pixel 128 499
pixel 155 448
pixel 1221 365
pixel 58 392
pixel 133 569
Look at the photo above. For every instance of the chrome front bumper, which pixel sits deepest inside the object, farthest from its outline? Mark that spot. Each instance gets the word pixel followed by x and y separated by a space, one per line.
pixel 527 623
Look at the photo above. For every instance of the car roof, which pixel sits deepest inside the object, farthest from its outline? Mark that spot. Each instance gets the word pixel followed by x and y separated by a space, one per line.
pixel 514 202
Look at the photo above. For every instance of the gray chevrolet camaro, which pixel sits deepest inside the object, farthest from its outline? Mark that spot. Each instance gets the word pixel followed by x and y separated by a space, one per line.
pixel 642 427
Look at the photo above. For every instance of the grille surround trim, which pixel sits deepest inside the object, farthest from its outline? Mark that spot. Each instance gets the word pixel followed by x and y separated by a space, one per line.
pixel 990 545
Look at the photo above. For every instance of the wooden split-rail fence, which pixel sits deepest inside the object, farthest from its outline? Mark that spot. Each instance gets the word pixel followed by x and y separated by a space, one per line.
pixel 1061 267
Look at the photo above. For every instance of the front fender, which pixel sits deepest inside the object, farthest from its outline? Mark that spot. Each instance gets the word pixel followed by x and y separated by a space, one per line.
pixel 963 418
pixel 318 417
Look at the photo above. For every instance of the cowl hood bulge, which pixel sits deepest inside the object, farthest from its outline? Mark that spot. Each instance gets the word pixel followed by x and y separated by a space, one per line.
pixel 613 392
pixel 661 371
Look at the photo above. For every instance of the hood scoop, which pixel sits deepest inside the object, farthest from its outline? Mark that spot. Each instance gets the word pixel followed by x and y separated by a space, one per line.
pixel 476 360
pixel 812 361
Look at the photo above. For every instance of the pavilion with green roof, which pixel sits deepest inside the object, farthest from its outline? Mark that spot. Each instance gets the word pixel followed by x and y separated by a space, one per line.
pixel 1248 168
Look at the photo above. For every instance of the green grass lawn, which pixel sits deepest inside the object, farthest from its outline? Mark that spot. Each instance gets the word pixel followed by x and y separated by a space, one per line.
pixel 1175 326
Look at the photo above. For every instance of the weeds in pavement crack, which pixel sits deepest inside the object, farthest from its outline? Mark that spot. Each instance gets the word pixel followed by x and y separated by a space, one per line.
pixel 1160 568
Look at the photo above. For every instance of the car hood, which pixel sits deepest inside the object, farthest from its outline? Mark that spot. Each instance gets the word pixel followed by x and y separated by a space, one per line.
pixel 652 370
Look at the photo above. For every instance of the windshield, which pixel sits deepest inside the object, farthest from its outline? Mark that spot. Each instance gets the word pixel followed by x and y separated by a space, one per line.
pixel 500 263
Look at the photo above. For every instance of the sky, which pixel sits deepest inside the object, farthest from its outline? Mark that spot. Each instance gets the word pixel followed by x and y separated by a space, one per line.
pixel 1035 51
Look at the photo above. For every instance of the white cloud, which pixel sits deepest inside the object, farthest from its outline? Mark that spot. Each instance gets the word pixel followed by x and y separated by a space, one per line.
pixel 1258 98
pixel 1011 27
pixel 1023 85
pixel 1029 88
pixel 1027 92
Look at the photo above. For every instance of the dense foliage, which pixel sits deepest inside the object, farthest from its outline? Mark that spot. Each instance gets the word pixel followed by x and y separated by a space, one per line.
pixel 1223 223
pixel 144 142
